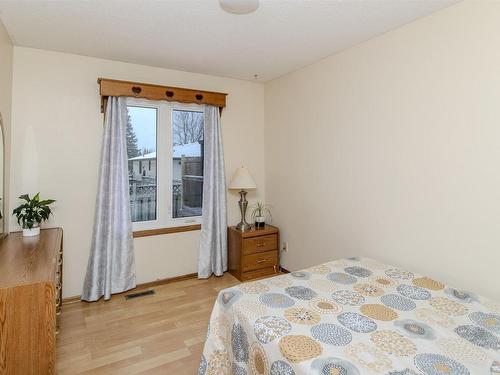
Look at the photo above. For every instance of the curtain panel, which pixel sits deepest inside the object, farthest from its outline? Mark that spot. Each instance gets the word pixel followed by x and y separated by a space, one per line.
pixel 111 266
pixel 213 239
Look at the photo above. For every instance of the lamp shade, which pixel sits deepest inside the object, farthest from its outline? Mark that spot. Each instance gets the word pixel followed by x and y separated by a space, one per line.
pixel 239 6
pixel 242 180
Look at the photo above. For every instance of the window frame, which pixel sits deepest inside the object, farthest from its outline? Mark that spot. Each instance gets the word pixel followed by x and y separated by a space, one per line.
pixel 165 221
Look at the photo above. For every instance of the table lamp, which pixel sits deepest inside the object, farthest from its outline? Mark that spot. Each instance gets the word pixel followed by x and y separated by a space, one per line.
pixel 242 181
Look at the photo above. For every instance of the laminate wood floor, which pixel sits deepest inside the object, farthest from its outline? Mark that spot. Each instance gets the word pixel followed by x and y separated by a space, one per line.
pixel 162 333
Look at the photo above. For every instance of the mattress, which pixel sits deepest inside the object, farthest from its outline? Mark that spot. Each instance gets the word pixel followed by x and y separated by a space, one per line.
pixel 348 317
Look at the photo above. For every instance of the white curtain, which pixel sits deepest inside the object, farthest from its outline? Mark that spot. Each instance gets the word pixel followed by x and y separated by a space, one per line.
pixel 111 267
pixel 213 239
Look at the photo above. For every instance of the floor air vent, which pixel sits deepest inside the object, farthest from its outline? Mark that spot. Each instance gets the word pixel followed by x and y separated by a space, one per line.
pixel 139 294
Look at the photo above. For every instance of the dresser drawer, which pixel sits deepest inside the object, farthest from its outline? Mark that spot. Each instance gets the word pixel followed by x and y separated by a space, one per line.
pixel 260 244
pixel 259 260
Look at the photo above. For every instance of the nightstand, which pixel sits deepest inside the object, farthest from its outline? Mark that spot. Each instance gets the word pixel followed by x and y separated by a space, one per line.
pixel 253 253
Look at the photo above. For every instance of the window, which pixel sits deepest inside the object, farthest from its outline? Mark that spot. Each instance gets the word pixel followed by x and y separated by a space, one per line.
pixel 141 147
pixel 165 160
pixel 187 163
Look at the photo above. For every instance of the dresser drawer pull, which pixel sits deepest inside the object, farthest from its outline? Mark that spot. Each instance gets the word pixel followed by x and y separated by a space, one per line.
pixel 260 244
pixel 261 261
pixel 59 262
pixel 58 302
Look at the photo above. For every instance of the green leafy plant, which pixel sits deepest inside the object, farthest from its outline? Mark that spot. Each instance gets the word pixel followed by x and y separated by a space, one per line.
pixel 33 212
pixel 261 209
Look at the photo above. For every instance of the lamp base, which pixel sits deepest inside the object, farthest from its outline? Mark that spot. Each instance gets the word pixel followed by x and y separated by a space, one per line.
pixel 243 203
pixel 241 226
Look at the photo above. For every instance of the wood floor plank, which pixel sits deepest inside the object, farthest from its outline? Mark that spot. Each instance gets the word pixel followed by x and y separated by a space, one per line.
pixel 77 366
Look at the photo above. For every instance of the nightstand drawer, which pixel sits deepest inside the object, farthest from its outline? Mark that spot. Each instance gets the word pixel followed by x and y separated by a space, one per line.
pixel 259 260
pixel 258 273
pixel 260 244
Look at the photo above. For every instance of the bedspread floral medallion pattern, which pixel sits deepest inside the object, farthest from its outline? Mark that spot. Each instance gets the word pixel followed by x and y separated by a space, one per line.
pixel 350 317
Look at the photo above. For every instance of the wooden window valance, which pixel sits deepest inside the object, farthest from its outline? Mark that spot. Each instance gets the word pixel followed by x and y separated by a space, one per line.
pixel 112 87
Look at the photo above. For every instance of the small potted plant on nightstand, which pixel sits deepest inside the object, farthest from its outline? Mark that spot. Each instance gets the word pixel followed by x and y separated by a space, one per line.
pixel 259 214
pixel 31 213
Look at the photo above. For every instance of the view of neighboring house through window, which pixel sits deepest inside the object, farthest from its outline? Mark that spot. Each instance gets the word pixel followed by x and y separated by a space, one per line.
pixel 165 162
pixel 141 150
pixel 187 154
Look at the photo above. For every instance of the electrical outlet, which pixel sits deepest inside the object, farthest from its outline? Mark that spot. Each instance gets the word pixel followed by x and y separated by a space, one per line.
pixel 285 246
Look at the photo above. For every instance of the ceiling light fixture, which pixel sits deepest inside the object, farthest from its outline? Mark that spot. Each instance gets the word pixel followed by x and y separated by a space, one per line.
pixel 239 6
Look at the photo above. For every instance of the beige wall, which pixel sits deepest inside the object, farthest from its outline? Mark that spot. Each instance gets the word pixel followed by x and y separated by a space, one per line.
pixel 391 150
pixel 57 128
pixel 6 51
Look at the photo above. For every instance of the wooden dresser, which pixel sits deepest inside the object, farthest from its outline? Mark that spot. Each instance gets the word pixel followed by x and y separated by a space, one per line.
pixel 254 253
pixel 30 301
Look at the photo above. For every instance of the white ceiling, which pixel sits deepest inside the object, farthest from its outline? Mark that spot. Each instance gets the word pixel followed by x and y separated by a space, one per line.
pixel 197 36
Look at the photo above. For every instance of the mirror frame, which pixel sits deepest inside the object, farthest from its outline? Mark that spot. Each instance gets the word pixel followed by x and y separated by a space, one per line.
pixel 4 232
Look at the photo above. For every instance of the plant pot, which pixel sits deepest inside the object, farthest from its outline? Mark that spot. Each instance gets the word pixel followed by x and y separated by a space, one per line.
pixel 260 221
pixel 35 231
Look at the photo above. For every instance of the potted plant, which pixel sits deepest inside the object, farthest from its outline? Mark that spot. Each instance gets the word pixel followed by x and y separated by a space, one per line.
pixel 31 213
pixel 259 214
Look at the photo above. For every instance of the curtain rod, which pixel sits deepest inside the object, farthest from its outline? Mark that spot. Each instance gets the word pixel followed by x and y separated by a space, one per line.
pixel 112 87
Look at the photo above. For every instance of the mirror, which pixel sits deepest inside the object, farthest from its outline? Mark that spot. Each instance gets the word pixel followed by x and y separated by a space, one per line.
pixel 2 198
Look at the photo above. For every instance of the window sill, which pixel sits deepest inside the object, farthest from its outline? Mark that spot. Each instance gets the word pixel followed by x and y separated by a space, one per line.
pixel 160 231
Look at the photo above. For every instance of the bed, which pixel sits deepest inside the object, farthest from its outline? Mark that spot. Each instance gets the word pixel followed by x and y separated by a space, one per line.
pixel 351 316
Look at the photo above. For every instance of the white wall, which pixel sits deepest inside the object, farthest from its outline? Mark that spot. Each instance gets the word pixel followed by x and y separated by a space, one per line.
pixel 6 52
pixel 57 128
pixel 391 150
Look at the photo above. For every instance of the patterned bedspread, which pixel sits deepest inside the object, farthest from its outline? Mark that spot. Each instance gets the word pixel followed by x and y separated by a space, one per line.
pixel 351 316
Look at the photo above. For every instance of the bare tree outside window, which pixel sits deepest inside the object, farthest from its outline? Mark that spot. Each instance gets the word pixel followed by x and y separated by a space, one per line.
pixel 187 127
